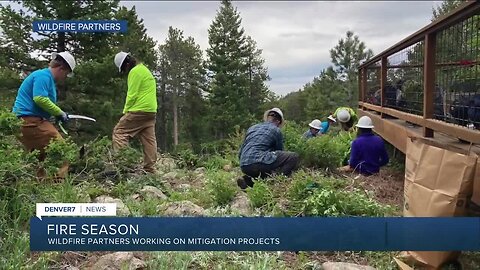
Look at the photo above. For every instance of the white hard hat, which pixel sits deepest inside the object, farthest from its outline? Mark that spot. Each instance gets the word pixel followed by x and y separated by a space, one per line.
pixel 316 124
pixel 364 122
pixel 277 110
pixel 119 58
pixel 330 117
pixel 343 116
pixel 68 58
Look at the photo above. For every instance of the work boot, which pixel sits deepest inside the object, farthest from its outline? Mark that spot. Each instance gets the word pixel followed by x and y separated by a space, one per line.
pixel 248 180
pixel 244 182
pixel 241 183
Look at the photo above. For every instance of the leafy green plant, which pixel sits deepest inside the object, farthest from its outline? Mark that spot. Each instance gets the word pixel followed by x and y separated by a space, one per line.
pixel 220 187
pixel 330 150
pixel 260 195
pixel 126 159
pixel 330 202
pixel 215 163
pixel 187 158
pixel 9 123
pixel 57 153
pixel 300 188
pixel 95 155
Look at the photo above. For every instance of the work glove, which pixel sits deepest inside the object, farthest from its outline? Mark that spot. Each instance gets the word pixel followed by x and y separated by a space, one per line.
pixel 63 117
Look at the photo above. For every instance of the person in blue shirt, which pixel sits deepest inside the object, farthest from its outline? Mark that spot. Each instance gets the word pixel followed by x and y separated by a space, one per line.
pixel 36 103
pixel 315 127
pixel 261 153
pixel 326 124
pixel 368 151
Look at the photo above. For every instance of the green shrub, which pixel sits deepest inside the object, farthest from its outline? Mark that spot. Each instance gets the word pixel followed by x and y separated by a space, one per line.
pixel 219 186
pixel 301 187
pixel 95 156
pixel 187 158
pixel 331 202
pixel 126 159
pixel 293 140
pixel 57 153
pixel 215 162
pixel 9 124
pixel 325 151
pixel 260 195
pixel 330 150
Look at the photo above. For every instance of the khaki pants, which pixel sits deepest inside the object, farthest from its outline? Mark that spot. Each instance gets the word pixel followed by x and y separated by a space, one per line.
pixel 142 124
pixel 36 135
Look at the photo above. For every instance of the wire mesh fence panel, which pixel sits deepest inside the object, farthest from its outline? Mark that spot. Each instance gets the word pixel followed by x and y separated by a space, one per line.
pixel 457 95
pixel 404 86
pixel 372 93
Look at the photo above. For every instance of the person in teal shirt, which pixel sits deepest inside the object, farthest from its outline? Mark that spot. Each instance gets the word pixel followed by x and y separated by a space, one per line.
pixel 326 124
pixel 36 103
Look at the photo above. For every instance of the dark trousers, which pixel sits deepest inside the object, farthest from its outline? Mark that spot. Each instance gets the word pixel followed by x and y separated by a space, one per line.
pixel 286 163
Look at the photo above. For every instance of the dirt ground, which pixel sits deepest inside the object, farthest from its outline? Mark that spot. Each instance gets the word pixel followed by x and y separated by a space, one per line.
pixel 293 260
pixel 387 186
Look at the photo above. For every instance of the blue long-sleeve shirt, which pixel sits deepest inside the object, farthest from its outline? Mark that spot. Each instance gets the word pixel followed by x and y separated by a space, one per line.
pixel 308 134
pixel 325 127
pixel 260 144
pixel 368 154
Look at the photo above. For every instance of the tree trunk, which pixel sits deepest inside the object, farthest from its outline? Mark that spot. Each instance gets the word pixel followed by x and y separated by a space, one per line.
pixel 61 42
pixel 175 119
pixel 161 120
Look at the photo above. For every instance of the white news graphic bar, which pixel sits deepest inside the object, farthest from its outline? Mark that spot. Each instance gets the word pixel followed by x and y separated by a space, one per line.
pixel 75 209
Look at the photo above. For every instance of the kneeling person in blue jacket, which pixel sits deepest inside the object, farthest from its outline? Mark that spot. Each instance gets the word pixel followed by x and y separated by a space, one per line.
pixel 314 130
pixel 368 151
pixel 261 153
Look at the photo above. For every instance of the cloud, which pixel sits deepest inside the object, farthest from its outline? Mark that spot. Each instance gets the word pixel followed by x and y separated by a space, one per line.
pixel 295 36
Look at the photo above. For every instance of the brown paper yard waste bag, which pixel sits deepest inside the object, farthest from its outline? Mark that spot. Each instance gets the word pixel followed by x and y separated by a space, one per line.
pixel 438 183
pixel 474 206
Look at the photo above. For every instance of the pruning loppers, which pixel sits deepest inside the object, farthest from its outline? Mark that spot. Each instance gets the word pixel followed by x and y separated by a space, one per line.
pixel 75 116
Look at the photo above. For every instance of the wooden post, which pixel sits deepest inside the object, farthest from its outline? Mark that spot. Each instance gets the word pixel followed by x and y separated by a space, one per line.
pixel 360 91
pixel 364 84
pixel 428 80
pixel 383 81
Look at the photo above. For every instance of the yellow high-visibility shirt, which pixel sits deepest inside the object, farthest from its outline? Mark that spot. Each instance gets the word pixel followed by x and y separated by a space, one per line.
pixel 142 90
pixel 353 114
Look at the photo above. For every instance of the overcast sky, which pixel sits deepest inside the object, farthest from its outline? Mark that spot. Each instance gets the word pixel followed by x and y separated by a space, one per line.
pixel 295 36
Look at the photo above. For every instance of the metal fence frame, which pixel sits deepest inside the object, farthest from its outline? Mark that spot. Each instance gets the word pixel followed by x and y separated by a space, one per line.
pixel 428 34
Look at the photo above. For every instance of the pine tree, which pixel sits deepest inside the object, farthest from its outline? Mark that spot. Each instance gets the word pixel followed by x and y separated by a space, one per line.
pixel 82 45
pixel 163 105
pixel 293 106
pixel 228 95
pixel 324 95
pixel 446 7
pixel 257 75
pixel 99 91
pixel 194 104
pixel 183 78
pixel 136 40
pixel 346 57
pixel 16 41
